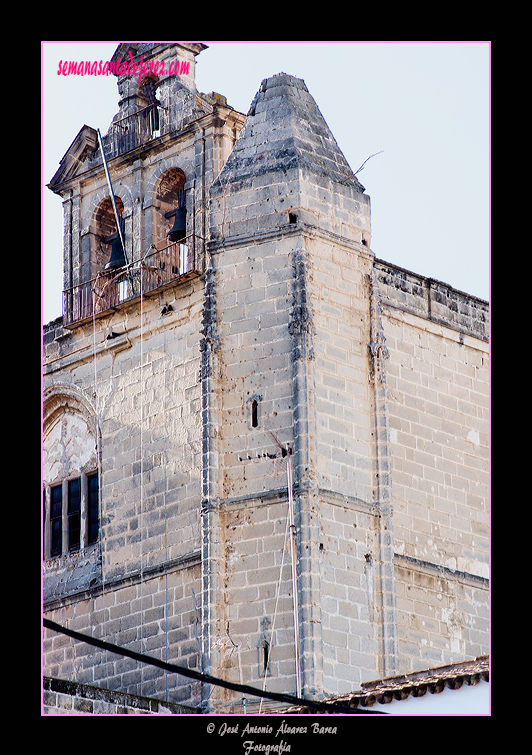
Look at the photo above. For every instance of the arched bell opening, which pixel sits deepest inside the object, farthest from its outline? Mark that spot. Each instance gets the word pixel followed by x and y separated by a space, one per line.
pixel 110 254
pixel 171 222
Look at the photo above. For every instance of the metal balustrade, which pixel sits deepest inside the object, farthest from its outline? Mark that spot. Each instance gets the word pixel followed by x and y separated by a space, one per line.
pixel 114 287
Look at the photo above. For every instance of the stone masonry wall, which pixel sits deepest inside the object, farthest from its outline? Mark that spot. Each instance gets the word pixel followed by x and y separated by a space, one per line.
pixel 257 596
pixel 144 388
pixel 442 614
pixel 157 616
pixel 439 433
pixel 141 584
pixel 255 295
pixel 343 393
pixel 252 299
pixel 348 555
pixel 253 364
pixel 67 698
pixel 437 378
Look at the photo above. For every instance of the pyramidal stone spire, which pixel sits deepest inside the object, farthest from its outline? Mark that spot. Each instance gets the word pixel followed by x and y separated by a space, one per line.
pixel 285 129
pixel 286 168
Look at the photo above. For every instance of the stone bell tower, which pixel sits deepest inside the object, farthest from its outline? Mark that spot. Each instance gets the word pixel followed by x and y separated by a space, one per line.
pixel 161 150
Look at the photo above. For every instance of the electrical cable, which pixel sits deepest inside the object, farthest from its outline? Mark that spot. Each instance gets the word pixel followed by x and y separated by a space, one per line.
pixel 98 456
pixel 314 705
pixel 266 670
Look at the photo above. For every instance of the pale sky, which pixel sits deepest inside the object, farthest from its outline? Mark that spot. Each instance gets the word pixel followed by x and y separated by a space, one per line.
pixel 425 105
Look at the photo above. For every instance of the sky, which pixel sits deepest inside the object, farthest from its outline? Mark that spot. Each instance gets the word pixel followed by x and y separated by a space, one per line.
pixel 423 106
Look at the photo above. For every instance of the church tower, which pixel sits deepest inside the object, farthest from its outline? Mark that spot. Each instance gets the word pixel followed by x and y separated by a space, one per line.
pixel 265 450
pixel 290 250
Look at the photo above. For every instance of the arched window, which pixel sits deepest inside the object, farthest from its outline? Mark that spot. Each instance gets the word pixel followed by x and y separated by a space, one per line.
pixel 112 256
pixel 70 474
pixel 106 229
pixel 171 199
pixel 149 91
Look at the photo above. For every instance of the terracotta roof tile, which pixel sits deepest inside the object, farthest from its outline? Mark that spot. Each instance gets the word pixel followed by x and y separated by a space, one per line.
pixel 417 684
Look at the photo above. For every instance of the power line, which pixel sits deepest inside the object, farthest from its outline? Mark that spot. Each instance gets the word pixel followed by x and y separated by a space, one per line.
pixel 206 678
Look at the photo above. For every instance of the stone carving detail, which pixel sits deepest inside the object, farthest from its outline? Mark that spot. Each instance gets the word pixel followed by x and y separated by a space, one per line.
pixel 210 340
pixel 301 326
pixel 377 346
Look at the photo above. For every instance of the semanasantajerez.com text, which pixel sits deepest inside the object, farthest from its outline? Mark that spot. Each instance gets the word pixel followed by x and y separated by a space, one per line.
pixel 123 67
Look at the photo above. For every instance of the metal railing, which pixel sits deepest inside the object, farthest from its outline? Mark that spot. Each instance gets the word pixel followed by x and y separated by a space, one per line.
pixel 133 130
pixel 111 288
